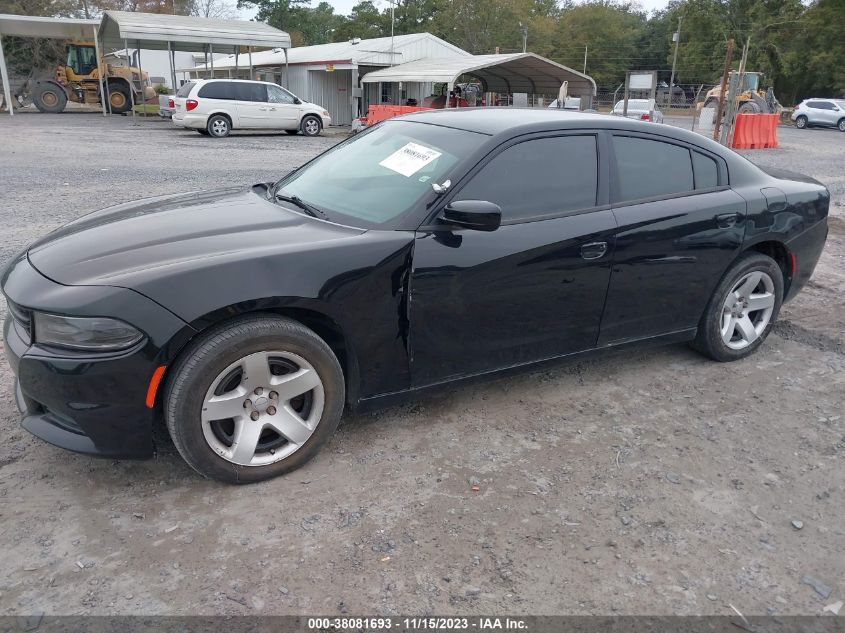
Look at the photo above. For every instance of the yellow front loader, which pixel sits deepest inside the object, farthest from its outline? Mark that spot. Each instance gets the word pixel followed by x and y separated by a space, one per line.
pixel 80 79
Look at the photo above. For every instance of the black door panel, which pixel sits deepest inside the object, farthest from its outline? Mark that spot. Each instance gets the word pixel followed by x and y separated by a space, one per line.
pixel 669 256
pixel 485 301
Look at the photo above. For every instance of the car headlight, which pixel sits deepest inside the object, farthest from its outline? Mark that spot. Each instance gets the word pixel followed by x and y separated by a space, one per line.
pixel 326 113
pixel 99 334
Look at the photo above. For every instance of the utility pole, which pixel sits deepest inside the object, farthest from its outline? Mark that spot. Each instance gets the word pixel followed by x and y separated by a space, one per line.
pixel 585 59
pixel 392 6
pixel 677 37
pixel 725 71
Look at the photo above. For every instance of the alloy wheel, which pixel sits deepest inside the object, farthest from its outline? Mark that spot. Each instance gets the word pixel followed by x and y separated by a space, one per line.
pixel 312 128
pixel 262 408
pixel 747 310
pixel 219 127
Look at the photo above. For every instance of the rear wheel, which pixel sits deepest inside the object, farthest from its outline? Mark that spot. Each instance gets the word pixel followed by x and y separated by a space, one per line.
pixel 311 126
pixel 49 97
pixel 254 399
pixel 742 310
pixel 841 125
pixel 749 107
pixel 801 122
pixel 219 126
pixel 120 100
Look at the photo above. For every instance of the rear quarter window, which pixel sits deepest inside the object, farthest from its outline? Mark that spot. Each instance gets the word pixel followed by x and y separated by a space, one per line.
pixel 185 90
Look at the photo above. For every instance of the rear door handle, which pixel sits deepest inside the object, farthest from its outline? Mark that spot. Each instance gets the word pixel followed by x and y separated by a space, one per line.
pixel 727 220
pixel 593 250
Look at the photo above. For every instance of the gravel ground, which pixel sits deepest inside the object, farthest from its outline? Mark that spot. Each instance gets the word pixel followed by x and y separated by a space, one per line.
pixel 646 482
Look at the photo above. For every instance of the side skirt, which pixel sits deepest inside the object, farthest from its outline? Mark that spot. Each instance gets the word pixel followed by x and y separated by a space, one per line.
pixel 381 401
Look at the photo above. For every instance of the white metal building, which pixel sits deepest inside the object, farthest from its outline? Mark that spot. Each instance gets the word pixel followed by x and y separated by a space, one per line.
pixel 328 74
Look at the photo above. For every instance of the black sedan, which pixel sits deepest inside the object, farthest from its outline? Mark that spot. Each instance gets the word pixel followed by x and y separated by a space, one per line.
pixel 433 248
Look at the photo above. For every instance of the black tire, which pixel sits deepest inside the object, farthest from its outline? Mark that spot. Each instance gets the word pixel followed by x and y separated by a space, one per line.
pixel 307 126
pixel 749 107
pixel 119 99
pixel 841 125
pixel 708 339
pixel 199 366
pixel 48 97
pixel 218 126
pixel 801 122
pixel 292 132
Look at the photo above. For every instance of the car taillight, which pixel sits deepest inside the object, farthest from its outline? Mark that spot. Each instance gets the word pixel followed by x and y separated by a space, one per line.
pixel 170 104
pixel 190 104
pixel 645 117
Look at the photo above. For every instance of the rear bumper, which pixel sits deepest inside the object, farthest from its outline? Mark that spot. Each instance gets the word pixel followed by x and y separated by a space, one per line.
pixel 192 121
pixel 807 249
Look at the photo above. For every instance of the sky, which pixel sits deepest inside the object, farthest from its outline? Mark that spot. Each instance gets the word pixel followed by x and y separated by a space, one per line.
pixel 344 7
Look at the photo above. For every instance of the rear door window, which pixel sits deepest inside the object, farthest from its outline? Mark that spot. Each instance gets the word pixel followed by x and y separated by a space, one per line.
pixel 218 90
pixel 647 168
pixel 250 92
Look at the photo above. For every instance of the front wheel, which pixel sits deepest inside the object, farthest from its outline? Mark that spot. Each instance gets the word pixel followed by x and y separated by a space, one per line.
pixel 48 97
pixel 254 399
pixel 841 125
pixel 742 310
pixel 801 122
pixel 311 126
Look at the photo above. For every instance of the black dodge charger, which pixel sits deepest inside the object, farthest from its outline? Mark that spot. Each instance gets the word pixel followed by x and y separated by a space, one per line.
pixel 433 248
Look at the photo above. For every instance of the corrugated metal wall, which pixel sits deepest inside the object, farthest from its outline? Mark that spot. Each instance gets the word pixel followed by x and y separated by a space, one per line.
pixel 332 90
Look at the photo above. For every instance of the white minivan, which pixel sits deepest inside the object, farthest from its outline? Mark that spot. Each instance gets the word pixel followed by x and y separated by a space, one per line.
pixel 215 107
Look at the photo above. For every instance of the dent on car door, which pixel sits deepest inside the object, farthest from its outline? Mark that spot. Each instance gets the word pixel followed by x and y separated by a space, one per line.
pixel 680 226
pixel 530 290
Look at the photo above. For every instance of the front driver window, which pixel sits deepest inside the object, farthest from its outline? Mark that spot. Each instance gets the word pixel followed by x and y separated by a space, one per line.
pixel 278 95
pixel 540 177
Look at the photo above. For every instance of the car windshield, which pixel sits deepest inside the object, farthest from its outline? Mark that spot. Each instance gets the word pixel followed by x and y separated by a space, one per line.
pixel 376 177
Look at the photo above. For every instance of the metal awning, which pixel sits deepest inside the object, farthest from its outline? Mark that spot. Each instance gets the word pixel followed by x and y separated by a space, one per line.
pixel 148 31
pixel 32 26
pixel 154 31
pixel 54 28
pixel 518 72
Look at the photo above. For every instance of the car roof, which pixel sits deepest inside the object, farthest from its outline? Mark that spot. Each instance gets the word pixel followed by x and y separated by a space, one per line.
pixel 509 122
pixel 249 81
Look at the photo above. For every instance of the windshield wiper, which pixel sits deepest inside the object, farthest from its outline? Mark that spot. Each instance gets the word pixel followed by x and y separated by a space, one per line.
pixel 309 209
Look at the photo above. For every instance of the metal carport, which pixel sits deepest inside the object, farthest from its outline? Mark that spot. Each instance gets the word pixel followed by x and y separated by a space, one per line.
pixel 52 28
pixel 517 72
pixel 151 31
pixel 162 31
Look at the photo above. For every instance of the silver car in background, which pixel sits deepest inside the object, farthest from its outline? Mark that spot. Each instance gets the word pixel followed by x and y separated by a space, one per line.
pixel 640 109
pixel 820 112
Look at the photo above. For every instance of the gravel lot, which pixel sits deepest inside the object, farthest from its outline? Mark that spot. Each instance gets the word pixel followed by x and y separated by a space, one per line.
pixel 646 482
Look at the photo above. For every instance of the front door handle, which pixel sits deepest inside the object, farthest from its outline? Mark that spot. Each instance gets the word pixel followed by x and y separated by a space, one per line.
pixel 272 109
pixel 593 250
pixel 727 220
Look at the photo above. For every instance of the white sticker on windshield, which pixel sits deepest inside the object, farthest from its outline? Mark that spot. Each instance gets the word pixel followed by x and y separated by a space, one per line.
pixel 409 159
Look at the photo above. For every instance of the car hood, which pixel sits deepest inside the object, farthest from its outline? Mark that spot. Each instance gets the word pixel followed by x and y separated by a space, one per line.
pixel 128 243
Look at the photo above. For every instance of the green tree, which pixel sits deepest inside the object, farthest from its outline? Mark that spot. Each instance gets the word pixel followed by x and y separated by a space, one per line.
pixel 364 21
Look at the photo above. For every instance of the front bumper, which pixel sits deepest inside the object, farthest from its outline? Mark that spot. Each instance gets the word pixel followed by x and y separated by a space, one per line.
pixel 84 402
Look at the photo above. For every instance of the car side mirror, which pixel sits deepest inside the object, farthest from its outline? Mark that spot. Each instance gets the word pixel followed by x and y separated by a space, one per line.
pixel 478 215
pixel 297 101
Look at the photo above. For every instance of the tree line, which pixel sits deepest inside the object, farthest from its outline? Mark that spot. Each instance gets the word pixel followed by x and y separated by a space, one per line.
pixel 800 47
